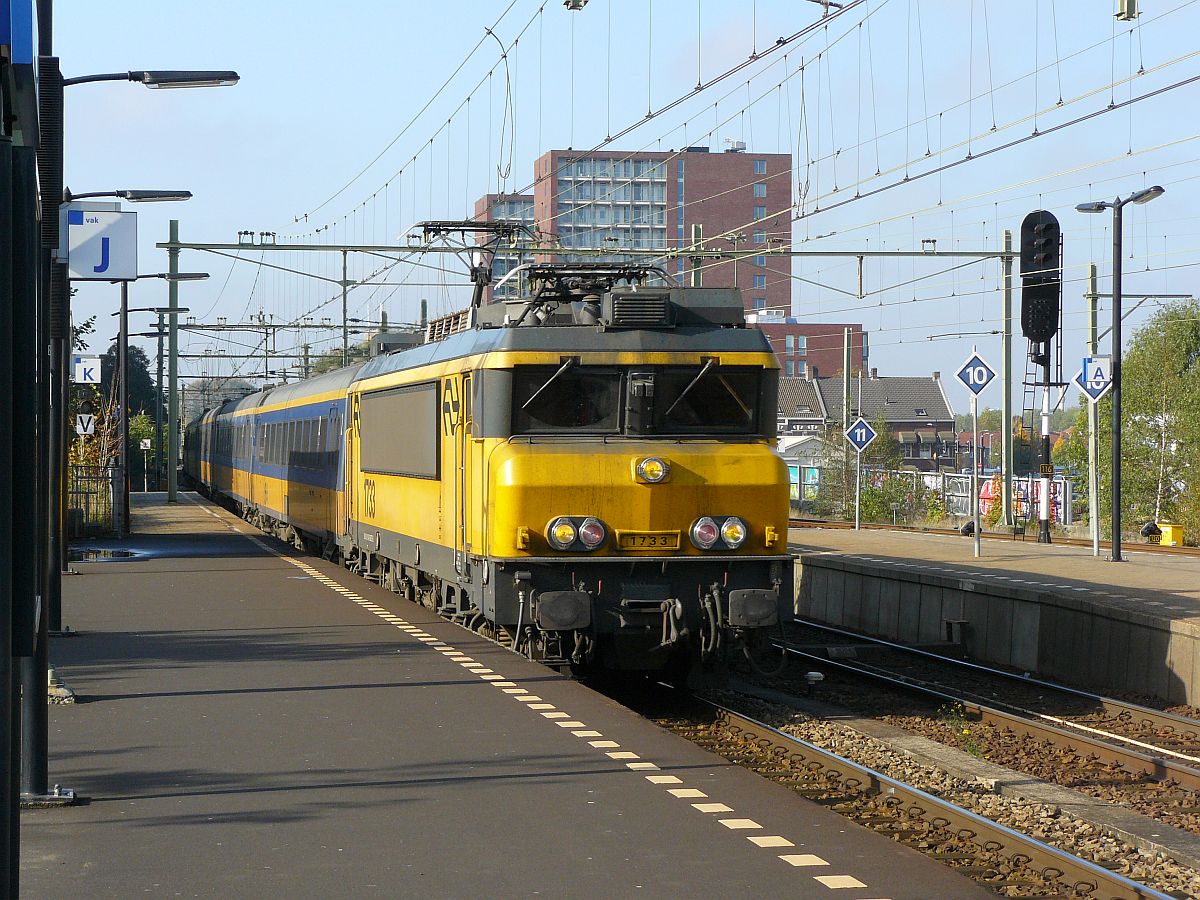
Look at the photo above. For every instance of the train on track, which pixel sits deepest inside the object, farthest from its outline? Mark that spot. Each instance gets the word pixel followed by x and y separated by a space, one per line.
pixel 587 475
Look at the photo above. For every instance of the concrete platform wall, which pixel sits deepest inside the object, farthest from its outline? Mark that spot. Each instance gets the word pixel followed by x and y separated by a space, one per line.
pixel 1051 635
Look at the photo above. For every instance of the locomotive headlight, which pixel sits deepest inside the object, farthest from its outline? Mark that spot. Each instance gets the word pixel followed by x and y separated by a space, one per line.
pixel 733 532
pixel 592 533
pixel 561 533
pixel 705 533
pixel 653 470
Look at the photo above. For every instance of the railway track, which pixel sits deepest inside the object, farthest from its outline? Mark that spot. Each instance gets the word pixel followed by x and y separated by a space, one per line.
pixel 991 535
pixel 1147 760
pixel 1141 727
pixel 1001 858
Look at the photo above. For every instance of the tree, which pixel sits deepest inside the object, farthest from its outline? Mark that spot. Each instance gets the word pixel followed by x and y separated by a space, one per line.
pixel 142 394
pixel 209 393
pixel 332 359
pixel 884 452
pixel 989 420
pixel 1160 427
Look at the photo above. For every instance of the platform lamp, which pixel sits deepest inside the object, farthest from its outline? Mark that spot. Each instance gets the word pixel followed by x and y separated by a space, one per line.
pixel 123 380
pixel 1143 196
pixel 168 78
pixel 51 108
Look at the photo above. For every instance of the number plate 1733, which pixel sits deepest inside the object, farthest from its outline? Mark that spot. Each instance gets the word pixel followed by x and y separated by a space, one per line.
pixel 648 540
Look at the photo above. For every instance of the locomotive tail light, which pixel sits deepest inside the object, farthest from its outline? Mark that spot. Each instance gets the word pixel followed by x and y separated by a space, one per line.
pixel 561 533
pixel 705 533
pixel 733 532
pixel 652 470
pixel 592 533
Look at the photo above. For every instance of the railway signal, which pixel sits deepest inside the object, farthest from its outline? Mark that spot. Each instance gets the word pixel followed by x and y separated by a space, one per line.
pixel 1041 276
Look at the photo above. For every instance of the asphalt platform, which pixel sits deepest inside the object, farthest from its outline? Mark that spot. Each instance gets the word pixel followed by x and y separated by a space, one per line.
pixel 255 723
pixel 1147 581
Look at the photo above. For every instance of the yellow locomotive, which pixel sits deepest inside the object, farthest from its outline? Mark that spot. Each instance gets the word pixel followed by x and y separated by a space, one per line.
pixel 588 475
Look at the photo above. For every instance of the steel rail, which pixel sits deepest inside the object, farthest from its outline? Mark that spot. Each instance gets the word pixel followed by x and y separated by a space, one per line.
pixel 1161 720
pixel 1156 767
pixel 987 535
pixel 1087 878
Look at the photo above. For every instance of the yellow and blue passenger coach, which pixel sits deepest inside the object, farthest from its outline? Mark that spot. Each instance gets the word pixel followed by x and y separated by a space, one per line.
pixel 591 481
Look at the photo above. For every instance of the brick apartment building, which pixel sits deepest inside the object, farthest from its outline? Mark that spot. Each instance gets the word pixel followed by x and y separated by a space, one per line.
pixel 504 208
pixel 806 348
pixel 737 201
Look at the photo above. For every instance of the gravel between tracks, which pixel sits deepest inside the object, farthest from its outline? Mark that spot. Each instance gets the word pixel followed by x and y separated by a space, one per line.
pixel 1045 823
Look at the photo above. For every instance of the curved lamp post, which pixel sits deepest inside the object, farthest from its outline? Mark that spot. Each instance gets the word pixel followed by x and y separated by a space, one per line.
pixel 171 78
pixel 1096 206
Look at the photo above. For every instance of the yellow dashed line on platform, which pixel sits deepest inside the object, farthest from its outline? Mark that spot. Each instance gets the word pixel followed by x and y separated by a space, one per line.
pixel 802 859
pixel 740 824
pixel 771 840
pixel 596 738
pixel 839 881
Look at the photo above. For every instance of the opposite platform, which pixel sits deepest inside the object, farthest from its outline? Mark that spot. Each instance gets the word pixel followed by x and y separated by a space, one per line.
pixel 254 723
pixel 1054 610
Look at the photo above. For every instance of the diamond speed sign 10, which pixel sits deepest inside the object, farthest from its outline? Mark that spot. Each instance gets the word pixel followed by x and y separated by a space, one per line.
pixel 975 374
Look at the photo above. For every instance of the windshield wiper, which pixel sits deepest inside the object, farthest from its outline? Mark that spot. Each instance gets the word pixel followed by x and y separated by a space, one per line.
pixel 708 364
pixel 569 362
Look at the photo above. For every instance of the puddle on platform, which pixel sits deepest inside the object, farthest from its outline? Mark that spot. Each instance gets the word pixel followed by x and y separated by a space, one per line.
pixel 93 554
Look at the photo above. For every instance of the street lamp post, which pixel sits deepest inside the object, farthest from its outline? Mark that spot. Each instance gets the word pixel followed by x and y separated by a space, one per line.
pixel 59 291
pixel 159 396
pixel 123 385
pixel 1143 196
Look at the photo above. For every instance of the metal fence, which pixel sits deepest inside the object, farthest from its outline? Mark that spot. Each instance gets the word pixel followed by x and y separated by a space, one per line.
pixel 90 492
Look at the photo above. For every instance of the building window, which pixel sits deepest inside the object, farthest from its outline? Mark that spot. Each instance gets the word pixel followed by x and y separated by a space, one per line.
pixel 791 369
pixel 760 302
pixel 760 282
pixel 760 237
pixel 790 343
pixel 801 344
pixel 760 212
pixel 801 368
pixel 760 189
pixel 760 260
pixel 760 167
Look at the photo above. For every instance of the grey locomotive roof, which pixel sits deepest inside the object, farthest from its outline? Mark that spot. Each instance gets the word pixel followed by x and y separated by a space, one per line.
pixel 569 339
pixel 565 338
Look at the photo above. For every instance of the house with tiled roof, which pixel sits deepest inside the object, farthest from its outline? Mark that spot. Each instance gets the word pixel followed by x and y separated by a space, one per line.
pixel 915 408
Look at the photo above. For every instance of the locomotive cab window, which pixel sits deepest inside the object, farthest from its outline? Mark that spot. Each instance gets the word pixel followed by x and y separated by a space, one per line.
pixel 567 397
pixel 708 397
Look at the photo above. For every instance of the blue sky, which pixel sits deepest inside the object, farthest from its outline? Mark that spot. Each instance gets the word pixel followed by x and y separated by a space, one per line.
pixel 326 88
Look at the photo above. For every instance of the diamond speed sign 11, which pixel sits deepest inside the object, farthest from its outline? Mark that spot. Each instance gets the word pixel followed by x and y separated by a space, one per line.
pixel 860 435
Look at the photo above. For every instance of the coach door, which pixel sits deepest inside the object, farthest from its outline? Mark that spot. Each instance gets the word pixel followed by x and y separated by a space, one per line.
pixel 342 480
